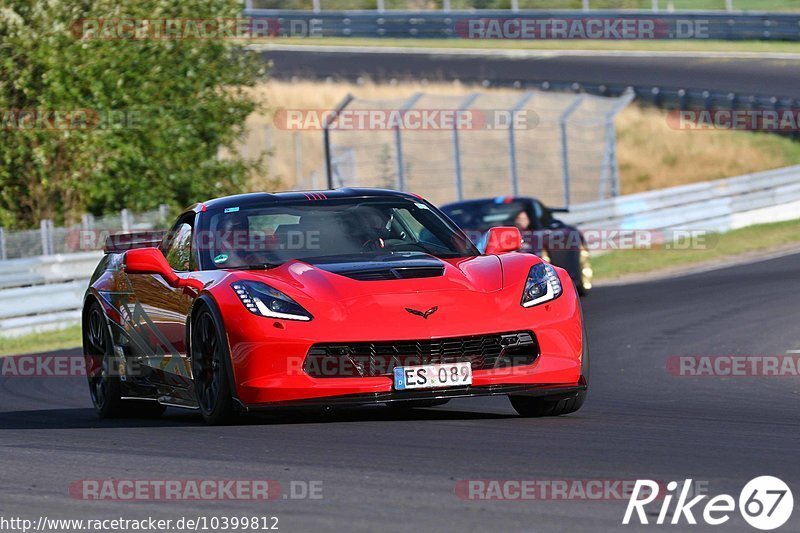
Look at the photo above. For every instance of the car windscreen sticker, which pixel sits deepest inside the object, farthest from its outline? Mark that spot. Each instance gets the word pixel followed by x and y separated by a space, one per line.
pixel 231 209
pixel 221 258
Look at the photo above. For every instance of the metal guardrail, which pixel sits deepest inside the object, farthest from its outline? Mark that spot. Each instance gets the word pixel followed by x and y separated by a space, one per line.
pixel 717 206
pixel 43 293
pixel 764 26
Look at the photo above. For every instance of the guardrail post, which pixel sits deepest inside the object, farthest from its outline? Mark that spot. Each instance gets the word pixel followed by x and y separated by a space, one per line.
pixel 562 125
pixel 586 5
pixel 728 5
pixel 398 144
pixel 456 148
pixel 512 142
pixel 3 254
pixel 381 6
pixel 316 6
pixel 515 5
pixel 446 5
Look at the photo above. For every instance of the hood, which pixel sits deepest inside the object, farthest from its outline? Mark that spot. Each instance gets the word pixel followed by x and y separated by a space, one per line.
pixel 337 279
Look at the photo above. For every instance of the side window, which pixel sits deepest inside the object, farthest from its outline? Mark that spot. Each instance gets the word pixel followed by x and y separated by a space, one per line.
pixel 178 250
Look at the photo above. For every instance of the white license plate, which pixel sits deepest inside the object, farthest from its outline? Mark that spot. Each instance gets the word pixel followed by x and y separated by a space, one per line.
pixel 432 376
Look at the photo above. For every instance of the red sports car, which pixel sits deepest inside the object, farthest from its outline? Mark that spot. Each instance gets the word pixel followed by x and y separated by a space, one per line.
pixel 351 296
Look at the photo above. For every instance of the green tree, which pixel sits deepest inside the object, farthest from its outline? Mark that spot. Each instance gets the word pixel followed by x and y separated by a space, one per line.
pixel 174 105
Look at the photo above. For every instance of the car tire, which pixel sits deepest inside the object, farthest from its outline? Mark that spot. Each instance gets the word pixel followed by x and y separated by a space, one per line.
pixel 532 406
pixel 210 363
pixel 105 386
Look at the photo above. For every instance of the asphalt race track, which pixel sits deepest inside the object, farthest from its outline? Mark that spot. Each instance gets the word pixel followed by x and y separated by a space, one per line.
pixel 758 77
pixel 382 470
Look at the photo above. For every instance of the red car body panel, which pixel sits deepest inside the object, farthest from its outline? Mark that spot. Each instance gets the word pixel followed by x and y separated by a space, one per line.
pixel 475 296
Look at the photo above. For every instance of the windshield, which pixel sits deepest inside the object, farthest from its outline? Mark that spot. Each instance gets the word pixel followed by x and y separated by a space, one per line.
pixel 484 215
pixel 260 236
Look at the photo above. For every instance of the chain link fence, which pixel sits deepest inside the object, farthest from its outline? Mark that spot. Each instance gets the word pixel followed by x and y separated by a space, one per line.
pixel 88 235
pixel 558 147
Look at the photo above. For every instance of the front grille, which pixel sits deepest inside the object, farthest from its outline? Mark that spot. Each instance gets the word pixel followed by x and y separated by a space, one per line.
pixel 371 359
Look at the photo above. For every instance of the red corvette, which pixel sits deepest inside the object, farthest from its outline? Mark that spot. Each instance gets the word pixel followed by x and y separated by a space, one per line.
pixel 350 296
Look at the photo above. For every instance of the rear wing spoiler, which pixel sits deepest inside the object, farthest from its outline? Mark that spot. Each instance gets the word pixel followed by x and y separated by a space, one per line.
pixel 121 242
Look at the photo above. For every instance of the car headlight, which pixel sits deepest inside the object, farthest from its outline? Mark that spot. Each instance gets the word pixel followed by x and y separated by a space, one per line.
pixel 261 299
pixel 542 286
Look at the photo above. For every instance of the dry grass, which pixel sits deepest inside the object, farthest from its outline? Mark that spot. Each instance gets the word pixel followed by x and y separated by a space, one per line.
pixel 651 155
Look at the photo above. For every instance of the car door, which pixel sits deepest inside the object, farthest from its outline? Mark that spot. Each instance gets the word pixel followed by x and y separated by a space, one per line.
pixel 161 310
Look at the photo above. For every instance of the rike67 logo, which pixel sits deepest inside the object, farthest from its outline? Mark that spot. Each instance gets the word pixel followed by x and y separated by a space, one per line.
pixel 765 503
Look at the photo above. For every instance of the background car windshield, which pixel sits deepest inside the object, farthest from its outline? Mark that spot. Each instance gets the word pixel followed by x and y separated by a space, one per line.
pixel 354 229
pixel 484 215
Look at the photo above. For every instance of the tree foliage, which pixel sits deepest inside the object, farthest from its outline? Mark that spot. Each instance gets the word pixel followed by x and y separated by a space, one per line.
pixel 165 109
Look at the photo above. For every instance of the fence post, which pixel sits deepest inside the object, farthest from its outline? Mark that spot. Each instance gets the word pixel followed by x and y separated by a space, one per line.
pixel 326 136
pixel 456 148
pixel 562 124
pixel 398 144
pixel 515 5
pixel 87 221
pixel 125 218
pixel 610 171
pixel 163 212
pixel 512 142
pixel 381 6
pixel 298 159
pixel 3 253
pixel 316 6
pixel 728 5
pixel 586 5
pixel 46 227
pixel 446 5
pixel 655 6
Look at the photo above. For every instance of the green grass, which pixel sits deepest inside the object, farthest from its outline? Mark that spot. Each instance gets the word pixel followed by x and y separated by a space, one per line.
pixel 717 246
pixel 647 46
pixel 42 342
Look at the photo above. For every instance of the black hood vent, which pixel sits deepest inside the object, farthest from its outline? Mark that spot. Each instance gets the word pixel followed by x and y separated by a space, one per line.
pixel 395 273
pixel 386 268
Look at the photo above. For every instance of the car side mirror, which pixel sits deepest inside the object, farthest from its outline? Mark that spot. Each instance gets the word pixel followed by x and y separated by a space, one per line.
pixel 150 261
pixel 503 239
